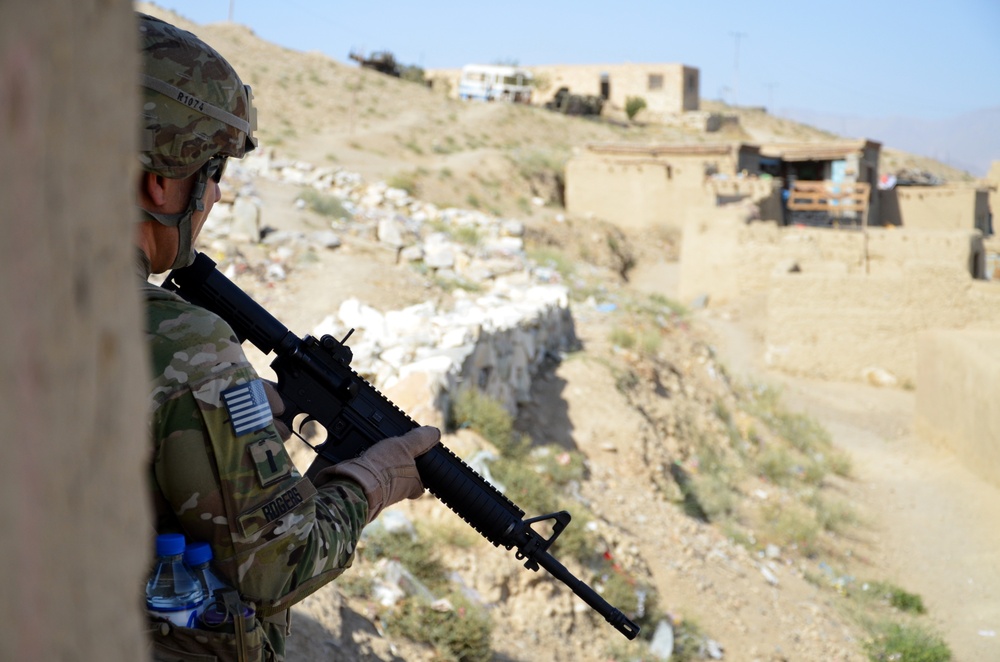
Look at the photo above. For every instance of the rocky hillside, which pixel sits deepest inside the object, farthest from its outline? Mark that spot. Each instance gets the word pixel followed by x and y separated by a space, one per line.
pixel 715 518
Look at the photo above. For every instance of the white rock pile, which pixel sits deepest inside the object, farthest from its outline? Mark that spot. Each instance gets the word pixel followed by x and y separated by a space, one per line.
pixel 494 340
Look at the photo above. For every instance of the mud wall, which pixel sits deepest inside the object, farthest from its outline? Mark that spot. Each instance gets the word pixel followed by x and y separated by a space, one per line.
pixel 725 257
pixel 936 207
pixel 855 326
pixel 840 305
pixel 667 192
pixel 957 392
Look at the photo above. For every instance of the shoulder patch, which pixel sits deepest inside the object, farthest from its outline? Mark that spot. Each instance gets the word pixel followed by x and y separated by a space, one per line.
pixel 247 407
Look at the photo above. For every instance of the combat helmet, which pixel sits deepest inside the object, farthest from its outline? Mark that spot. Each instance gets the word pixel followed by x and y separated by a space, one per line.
pixel 195 109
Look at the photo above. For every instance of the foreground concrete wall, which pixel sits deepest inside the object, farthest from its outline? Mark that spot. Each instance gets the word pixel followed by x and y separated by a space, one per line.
pixel 865 327
pixel 75 535
pixel 957 392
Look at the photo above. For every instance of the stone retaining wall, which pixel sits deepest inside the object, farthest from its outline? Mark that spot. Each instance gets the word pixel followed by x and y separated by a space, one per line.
pixel 422 358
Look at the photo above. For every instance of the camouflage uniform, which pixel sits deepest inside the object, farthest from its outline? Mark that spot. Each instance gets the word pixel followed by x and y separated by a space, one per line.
pixel 276 537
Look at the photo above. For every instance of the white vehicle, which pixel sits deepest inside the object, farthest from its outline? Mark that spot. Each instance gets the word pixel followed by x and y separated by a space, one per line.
pixel 490 82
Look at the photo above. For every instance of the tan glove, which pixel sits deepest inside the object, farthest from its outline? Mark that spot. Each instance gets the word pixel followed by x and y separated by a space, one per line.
pixel 386 471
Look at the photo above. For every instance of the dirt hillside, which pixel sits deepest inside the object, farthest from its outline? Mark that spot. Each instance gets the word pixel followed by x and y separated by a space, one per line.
pixel 709 500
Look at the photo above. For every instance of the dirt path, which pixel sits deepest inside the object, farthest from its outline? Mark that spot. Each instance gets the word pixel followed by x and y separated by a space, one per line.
pixel 934 525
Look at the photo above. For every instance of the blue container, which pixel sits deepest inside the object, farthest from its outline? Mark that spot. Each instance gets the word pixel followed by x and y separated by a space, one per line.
pixel 173 592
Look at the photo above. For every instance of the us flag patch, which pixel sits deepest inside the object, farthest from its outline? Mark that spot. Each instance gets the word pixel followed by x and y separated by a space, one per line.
pixel 247 406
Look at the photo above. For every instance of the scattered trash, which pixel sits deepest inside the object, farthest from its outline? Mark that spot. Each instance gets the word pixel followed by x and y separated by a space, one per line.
pixel 768 575
pixel 662 643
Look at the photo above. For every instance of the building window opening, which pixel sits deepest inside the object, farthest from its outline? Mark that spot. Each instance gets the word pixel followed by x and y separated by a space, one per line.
pixel 605 87
pixel 655 82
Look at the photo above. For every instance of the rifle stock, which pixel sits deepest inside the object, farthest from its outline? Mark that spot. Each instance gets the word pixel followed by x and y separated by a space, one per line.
pixel 315 378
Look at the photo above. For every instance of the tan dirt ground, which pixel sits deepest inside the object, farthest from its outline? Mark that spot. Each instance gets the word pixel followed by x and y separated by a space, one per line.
pixel 933 522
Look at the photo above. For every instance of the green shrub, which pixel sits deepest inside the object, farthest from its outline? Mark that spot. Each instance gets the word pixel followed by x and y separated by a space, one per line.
pixel 777 465
pixel 479 412
pixel 689 641
pixel 461 635
pixel 714 496
pixel 407 181
pixel 558 464
pixel 633 105
pixel 835 516
pixel 412 73
pixel 905 643
pixel 802 432
pixel 636 600
pixel 324 205
pixel 554 259
pixel 623 338
pixel 415 554
pixel 466 234
pixel 525 486
pixel 897 597
pixel 790 524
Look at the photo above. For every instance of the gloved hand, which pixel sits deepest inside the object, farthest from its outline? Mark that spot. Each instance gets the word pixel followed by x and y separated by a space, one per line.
pixel 386 471
pixel 277 408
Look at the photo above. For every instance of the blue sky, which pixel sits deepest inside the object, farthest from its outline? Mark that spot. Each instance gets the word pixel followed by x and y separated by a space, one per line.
pixel 872 58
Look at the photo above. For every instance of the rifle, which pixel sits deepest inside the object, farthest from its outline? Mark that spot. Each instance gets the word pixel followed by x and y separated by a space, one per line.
pixel 315 378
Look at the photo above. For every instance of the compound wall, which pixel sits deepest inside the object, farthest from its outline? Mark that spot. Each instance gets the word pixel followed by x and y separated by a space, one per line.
pixel 936 207
pixel 957 392
pixel 851 327
pixel 663 191
pixel 840 304
pixel 725 257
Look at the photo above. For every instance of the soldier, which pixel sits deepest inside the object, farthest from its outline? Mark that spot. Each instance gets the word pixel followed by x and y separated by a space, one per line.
pixel 217 474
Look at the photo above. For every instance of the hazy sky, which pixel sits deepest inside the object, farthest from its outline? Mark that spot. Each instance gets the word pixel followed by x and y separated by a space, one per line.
pixel 922 58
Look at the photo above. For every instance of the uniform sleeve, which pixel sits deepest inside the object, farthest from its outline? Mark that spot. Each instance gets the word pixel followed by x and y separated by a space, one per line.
pixel 226 477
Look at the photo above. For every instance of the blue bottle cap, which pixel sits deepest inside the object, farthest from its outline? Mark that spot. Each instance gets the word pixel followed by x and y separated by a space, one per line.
pixel 169 544
pixel 197 553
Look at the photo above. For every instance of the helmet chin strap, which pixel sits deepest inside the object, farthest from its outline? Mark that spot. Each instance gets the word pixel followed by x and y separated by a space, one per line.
pixel 182 221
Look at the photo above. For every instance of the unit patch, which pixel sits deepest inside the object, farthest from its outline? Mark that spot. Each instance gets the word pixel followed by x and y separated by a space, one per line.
pixel 270 460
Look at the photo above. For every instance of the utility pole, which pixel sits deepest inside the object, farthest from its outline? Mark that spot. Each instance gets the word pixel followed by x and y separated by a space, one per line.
pixel 231 3
pixel 770 96
pixel 736 66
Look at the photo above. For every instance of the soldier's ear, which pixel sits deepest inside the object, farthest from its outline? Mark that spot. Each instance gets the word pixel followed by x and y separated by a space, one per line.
pixel 153 189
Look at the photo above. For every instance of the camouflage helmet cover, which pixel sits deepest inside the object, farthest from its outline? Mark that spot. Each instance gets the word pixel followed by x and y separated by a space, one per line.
pixel 194 104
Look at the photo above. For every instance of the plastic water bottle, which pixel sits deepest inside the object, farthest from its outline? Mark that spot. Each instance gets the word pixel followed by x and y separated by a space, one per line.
pixel 198 557
pixel 173 592
pixel 213 614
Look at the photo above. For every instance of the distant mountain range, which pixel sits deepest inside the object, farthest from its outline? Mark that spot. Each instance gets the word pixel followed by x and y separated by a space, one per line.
pixel 968 142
